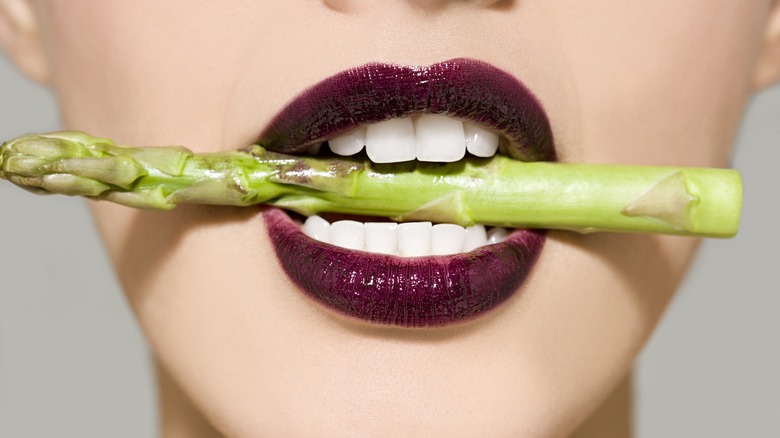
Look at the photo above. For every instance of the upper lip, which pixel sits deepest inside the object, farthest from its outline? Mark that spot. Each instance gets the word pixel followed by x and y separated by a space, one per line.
pixel 462 88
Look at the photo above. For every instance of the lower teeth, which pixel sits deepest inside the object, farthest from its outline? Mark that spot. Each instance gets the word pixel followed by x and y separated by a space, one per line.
pixel 410 239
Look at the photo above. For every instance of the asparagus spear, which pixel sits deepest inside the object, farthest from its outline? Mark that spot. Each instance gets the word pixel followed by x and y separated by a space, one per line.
pixel 498 191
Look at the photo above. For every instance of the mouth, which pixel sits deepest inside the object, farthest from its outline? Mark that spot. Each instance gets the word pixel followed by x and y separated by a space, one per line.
pixel 413 274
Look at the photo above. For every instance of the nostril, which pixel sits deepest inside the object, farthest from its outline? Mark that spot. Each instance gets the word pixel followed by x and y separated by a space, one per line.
pixel 494 4
pixel 351 6
pixel 434 4
pixel 343 6
pixel 440 4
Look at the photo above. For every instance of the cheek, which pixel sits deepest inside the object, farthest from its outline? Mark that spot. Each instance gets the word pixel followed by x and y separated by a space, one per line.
pixel 150 72
pixel 598 299
pixel 660 82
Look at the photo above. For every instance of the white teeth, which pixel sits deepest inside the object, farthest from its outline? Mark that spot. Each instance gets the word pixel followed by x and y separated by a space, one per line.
pixel 427 137
pixel 447 239
pixel 391 141
pixel 411 239
pixel 314 149
pixel 497 235
pixel 381 237
pixel 476 236
pixel 350 143
pixel 317 228
pixel 480 141
pixel 439 138
pixel 414 239
pixel 348 234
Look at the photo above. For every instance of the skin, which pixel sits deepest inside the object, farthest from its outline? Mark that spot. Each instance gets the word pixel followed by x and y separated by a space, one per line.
pixel 240 353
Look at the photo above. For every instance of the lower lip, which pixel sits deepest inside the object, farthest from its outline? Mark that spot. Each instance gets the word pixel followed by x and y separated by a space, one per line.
pixel 428 291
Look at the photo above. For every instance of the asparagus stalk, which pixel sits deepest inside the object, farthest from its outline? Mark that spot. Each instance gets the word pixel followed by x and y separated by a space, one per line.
pixel 498 191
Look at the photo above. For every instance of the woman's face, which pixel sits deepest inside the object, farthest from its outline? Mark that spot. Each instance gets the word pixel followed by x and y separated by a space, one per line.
pixel 660 83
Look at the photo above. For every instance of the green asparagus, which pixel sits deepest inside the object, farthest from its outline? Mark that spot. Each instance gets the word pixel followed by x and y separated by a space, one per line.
pixel 497 191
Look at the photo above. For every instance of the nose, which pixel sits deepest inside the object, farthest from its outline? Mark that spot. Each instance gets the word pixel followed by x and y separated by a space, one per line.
pixel 428 5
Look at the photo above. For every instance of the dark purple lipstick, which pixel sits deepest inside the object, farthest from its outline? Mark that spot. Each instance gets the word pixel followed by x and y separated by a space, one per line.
pixel 411 292
pixel 416 291
pixel 461 88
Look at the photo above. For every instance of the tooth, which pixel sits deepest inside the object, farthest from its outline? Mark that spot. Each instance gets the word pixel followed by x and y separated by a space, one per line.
pixel 414 239
pixel 317 228
pixel 314 149
pixel 497 235
pixel 479 141
pixel 439 138
pixel 476 236
pixel 503 146
pixel 391 141
pixel 348 234
pixel 447 239
pixel 350 143
pixel 381 237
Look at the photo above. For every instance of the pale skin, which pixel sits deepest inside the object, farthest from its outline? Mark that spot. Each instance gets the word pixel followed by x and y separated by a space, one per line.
pixel 241 353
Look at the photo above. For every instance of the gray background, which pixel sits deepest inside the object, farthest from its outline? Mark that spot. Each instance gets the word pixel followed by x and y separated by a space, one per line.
pixel 73 364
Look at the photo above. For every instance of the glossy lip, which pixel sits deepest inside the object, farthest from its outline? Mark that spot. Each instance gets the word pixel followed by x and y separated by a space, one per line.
pixel 410 292
pixel 462 88
pixel 420 291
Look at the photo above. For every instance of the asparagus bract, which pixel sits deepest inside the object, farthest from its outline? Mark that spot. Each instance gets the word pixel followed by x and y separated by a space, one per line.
pixel 495 191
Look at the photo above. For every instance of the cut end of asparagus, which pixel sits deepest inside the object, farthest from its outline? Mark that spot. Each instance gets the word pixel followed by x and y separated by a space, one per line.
pixel 499 191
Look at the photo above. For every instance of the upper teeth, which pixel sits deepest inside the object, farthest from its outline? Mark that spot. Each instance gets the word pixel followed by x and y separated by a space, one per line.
pixel 410 239
pixel 428 137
